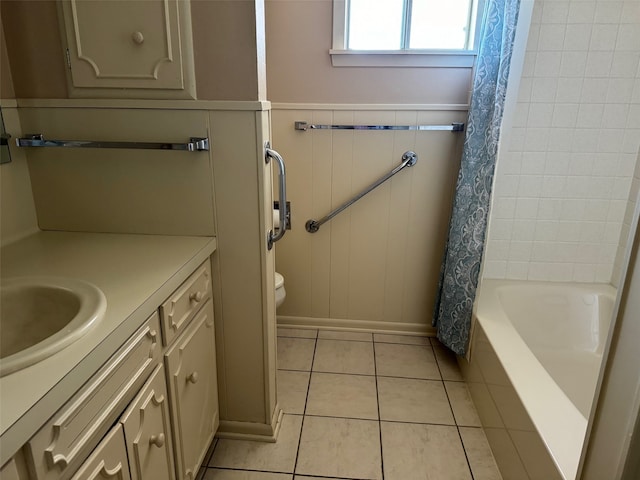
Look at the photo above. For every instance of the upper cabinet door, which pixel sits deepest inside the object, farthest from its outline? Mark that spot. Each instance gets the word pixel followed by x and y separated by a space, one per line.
pixel 118 45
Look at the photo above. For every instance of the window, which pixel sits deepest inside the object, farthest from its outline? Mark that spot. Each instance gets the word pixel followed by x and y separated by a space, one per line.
pixel 404 32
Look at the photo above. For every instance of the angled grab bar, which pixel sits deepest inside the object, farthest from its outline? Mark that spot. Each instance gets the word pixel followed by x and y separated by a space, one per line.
pixel 282 210
pixel 409 159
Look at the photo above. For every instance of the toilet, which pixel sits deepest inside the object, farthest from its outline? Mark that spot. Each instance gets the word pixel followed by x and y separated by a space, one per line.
pixel 280 291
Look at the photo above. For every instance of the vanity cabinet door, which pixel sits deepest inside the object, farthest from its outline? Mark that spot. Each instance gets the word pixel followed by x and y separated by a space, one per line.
pixel 116 46
pixel 192 382
pixel 108 461
pixel 147 431
pixel 14 469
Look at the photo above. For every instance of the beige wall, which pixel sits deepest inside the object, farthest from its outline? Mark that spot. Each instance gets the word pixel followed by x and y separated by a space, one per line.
pixel 17 208
pixel 35 48
pixel 229 56
pixel 121 191
pixel 6 80
pixel 228 49
pixel 299 70
pixel 376 264
pixel 245 308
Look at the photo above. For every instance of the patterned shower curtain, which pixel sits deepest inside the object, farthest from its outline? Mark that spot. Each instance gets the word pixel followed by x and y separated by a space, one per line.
pixel 463 252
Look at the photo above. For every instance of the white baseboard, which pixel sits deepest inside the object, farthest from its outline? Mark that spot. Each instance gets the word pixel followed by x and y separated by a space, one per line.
pixel 260 432
pixel 392 328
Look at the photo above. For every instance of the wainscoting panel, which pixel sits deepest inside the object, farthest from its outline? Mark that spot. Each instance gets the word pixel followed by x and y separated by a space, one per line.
pixel 378 261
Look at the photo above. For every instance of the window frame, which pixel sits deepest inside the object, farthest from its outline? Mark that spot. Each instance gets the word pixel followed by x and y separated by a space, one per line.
pixel 343 57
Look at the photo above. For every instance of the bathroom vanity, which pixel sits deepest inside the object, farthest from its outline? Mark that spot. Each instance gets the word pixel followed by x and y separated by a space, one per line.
pixel 135 397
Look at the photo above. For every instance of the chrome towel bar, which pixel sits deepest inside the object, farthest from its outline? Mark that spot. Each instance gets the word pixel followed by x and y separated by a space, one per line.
pixel 454 127
pixel 409 159
pixel 196 144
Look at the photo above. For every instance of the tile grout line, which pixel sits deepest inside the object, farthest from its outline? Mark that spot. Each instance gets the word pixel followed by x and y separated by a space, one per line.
pixel 306 400
pixel 375 371
pixel 403 422
pixel 455 420
pixel 372 375
pixel 465 452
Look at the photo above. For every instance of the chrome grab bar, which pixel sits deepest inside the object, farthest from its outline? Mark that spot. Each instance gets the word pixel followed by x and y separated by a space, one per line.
pixel 409 159
pixel 454 127
pixel 196 144
pixel 282 207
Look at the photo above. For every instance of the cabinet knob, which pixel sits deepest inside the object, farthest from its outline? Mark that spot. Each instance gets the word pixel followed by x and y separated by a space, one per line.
pixel 157 440
pixel 196 297
pixel 193 378
pixel 137 38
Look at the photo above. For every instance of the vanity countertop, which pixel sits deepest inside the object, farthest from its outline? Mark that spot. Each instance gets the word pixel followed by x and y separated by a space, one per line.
pixel 136 273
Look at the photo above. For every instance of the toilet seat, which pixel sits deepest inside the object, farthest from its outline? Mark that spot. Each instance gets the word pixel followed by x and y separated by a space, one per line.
pixel 279 280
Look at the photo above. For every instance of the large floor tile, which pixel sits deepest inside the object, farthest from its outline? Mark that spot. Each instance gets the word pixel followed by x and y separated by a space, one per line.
pixel 409 361
pixel 463 409
pixel 447 363
pixel 340 447
pixel 220 474
pixel 483 466
pixel 292 390
pixel 417 452
pixel 403 339
pixel 411 400
pixel 340 395
pixel 338 335
pixel 295 353
pixel 272 457
pixel 338 356
pixel 297 332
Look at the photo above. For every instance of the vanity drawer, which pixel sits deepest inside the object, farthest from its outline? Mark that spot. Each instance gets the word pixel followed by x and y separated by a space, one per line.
pixel 108 460
pixel 179 309
pixel 59 447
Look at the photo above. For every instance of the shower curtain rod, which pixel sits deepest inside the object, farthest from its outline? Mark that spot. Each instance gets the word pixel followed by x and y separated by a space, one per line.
pixel 409 159
pixel 454 127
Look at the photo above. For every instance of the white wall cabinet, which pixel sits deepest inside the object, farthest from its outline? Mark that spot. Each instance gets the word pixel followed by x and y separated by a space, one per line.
pixel 160 433
pixel 120 49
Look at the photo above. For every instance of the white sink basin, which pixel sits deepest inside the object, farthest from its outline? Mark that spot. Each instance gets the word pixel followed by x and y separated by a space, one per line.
pixel 40 316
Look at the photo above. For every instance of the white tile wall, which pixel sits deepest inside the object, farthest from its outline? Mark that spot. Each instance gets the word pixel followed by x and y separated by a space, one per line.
pixel 561 208
pixel 627 222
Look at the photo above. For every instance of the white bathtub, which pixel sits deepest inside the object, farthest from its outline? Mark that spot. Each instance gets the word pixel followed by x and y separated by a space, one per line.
pixel 549 339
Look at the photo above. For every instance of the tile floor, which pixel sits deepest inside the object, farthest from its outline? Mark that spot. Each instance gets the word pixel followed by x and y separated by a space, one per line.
pixel 364 406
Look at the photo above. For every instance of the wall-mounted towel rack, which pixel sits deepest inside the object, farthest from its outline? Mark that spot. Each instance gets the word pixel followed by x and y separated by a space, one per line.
pixel 409 159
pixel 454 127
pixel 196 144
